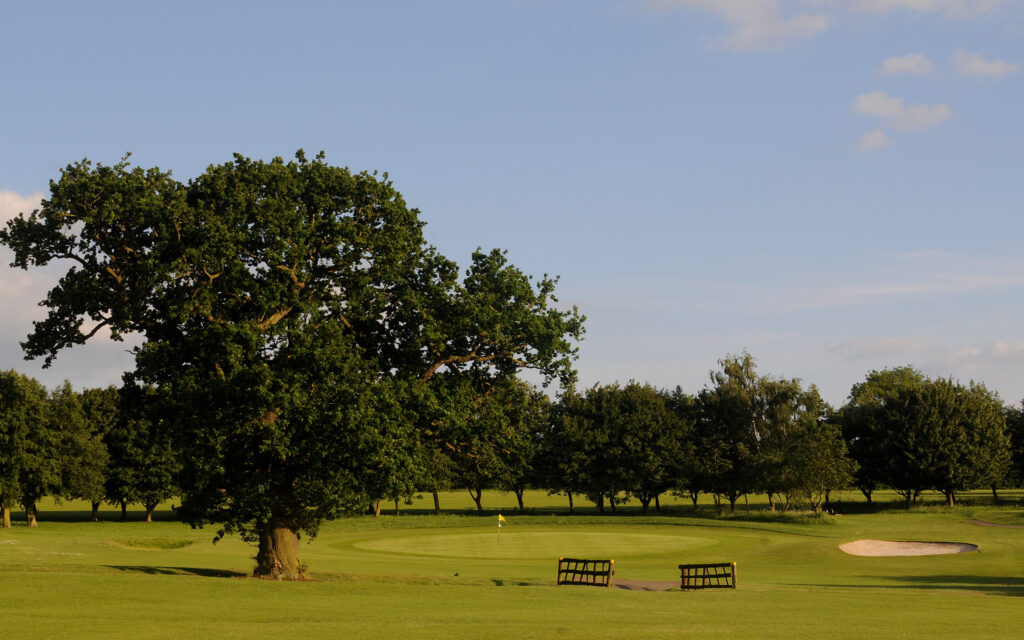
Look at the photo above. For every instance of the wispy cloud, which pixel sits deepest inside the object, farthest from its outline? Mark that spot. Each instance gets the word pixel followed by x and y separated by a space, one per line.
pixel 879 292
pixel 11 204
pixel 873 141
pixel 874 348
pixel 757 25
pixel 952 8
pixel 883 279
pixel 912 63
pixel 974 64
pixel 899 116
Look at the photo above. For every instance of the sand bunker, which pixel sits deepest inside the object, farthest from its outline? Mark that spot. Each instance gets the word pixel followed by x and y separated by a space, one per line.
pixel 897 548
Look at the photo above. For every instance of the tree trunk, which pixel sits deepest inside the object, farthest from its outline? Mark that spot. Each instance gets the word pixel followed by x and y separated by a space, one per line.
pixel 771 502
pixel 278 555
pixel 6 513
pixel 150 508
pixel 732 502
pixel 477 494
pixel 95 517
pixel 995 495
pixel 437 503
pixel 30 513
pixel 867 494
pixel 124 510
pixel 644 504
pixel 519 497
pixel 694 496
pixel 950 498
pixel 611 501
pixel 657 504
pixel 397 512
pixel 600 503
pixel 376 508
pixel 571 507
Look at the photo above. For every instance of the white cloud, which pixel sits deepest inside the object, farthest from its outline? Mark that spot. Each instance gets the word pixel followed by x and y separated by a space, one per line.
pixel 758 25
pixel 912 63
pixel 873 141
pixel 900 116
pixel 948 7
pixel 999 352
pixel 974 64
pixel 11 204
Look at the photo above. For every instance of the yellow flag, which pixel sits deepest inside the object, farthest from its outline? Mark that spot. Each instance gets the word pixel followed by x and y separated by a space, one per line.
pixel 501 518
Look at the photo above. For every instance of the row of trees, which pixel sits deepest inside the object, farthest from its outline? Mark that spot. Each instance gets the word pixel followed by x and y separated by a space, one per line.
pixel 746 433
pixel 99 445
pixel 743 433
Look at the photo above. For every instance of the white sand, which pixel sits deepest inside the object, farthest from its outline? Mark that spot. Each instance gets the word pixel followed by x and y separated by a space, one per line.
pixel 895 548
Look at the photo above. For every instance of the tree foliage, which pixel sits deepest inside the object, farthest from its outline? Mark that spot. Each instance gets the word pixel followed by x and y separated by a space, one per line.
pixel 914 434
pixel 144 462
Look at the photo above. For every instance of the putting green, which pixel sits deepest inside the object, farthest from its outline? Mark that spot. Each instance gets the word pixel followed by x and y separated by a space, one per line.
pixel 537 544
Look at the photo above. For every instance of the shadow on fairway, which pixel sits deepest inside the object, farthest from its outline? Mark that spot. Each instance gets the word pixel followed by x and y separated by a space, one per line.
pixel 510 583
pixel 105 515
pixel 995 585
pixel 179 571
pixel 991 585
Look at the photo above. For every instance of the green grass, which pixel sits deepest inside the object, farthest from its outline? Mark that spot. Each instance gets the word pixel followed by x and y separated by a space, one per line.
pixel 449 576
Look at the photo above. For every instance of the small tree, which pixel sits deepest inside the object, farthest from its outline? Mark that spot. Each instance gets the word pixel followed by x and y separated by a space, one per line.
pixel 81 453
pixel 727 430
pixel 27 464
pixel 816 459
pixel 101 408
pixel 143 460
pixel 872 421
pixel 967 434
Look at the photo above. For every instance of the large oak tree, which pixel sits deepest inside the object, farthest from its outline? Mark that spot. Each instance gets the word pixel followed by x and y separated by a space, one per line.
pixel 286 310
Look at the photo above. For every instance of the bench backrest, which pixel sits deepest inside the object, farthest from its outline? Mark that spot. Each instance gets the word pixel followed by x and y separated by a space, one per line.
pixel 595 573
pixel 721 575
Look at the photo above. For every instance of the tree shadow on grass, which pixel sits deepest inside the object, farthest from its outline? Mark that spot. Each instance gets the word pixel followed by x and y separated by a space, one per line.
pixel 104 515
pixel 991 585
pixel 996 585
pixel 509 583
pixel 179 571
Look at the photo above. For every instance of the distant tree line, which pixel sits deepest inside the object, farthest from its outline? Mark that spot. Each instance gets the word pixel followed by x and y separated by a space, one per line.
pixel 742 434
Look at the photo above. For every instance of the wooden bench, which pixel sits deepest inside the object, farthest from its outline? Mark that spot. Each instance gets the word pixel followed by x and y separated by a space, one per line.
pixel 594 573
pixel 721 575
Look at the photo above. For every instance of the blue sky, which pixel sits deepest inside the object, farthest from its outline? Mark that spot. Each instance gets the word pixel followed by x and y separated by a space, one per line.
pixel 834 186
